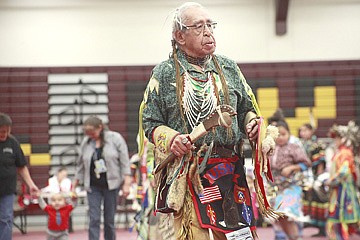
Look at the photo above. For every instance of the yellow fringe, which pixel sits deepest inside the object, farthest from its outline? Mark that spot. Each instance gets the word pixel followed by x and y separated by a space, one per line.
pixel 194 175
pixel 268 212
pixel 185 232
pixel 141 130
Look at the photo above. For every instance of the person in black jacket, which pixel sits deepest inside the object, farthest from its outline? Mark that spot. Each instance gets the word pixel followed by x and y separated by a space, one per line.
pixel 12 159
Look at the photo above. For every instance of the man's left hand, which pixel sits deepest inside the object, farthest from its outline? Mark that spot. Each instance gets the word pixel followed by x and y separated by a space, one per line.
pixel 252 129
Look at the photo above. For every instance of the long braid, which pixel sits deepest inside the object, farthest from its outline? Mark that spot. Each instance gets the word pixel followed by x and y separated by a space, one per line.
pixel 179 84
pixel 223 81
pixel 225 88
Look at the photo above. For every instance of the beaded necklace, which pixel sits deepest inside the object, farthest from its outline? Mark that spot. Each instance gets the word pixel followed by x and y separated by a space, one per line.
pixel 201 62
pixel 199 98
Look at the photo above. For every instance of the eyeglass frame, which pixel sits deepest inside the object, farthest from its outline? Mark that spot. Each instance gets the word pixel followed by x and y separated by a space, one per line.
pixel 210 25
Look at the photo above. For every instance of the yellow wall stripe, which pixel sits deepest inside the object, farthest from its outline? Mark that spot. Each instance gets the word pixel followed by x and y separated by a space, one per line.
pixel 325 102
pixel 324 106
pixel 39 159
pixel 268 99
pixel 26 147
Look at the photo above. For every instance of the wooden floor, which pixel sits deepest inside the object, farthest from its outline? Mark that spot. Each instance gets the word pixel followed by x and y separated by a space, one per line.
pixel 76 235
pixel 36 228
pixel 122 234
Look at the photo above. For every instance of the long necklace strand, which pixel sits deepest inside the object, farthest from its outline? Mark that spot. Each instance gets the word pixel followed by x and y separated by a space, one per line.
pixel 199 98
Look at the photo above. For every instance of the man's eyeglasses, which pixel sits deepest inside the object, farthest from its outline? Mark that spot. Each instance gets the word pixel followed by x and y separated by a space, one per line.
pixel 200 27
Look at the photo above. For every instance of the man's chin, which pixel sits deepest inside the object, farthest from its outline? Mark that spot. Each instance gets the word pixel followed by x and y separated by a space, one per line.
pixel 209 51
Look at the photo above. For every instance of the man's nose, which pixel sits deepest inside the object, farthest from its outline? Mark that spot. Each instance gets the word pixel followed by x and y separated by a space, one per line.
pixel 207 28
pixel 206 31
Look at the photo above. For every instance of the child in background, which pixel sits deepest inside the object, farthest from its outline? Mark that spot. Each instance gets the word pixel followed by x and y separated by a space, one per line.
pixel 59 182
pixel 277 116
pixel 315 199
pixel 314 149
pixel 287 163
pixel 58 215
pixel 344 209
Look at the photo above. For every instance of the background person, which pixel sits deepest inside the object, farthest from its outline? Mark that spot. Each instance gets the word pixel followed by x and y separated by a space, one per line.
pixel 12 159
pixel 278 115
pixel 58 212
pixel 287 164
pixel 103 166
pixel 316 198
pixel 344 210
pixel 60 183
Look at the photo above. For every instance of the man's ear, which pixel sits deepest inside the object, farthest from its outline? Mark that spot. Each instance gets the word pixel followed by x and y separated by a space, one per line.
pixel 179 37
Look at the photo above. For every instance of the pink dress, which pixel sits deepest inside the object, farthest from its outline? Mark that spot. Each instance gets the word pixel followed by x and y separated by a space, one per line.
pixel 288 192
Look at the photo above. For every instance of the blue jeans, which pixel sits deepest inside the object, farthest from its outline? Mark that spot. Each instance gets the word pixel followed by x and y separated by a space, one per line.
pixel 96 197
pixel 6 216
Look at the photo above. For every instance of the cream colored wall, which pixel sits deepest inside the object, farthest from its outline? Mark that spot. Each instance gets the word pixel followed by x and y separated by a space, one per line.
pixel 119 32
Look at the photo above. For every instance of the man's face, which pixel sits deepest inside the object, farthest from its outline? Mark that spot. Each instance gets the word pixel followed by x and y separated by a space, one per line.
pixel 197 41
pixel 4 133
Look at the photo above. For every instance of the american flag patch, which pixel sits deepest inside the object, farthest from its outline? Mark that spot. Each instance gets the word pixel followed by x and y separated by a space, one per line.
pixel 211 194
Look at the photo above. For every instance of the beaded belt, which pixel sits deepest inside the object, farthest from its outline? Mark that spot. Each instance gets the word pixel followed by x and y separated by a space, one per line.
pixel 223 151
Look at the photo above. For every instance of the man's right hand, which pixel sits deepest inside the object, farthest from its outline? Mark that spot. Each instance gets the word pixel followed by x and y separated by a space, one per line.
pixel 181 145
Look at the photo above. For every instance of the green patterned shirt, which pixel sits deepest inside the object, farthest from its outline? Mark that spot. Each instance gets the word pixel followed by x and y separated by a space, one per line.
pixel 162 106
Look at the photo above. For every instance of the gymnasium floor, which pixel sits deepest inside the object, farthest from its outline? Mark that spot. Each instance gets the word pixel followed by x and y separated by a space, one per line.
pixel 264 234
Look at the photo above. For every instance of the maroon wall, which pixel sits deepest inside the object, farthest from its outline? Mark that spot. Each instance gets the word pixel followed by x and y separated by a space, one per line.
pixel 23 93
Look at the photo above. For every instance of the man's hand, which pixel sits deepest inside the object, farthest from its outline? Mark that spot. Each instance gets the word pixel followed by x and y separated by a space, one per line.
pixel 252 129
pixel 181 145
pixel 24 173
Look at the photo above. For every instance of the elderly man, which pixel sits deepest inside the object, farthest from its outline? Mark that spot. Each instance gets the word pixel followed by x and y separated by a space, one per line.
pixel 182 92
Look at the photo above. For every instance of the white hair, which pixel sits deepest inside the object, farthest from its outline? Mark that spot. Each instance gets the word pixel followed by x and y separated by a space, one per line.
pixel 180 17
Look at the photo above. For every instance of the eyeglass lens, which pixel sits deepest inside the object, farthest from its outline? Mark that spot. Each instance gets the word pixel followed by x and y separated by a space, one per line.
pixel 201 28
